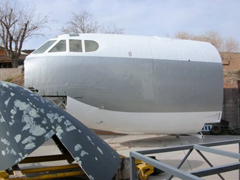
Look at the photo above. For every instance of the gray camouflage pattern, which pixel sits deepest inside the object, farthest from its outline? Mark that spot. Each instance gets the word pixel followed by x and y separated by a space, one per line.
pixel 27 120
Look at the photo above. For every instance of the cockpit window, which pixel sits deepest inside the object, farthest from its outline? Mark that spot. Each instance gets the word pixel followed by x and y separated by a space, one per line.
pixel 44 47
pixel 75 45
pixel 91 46
pixel 59 47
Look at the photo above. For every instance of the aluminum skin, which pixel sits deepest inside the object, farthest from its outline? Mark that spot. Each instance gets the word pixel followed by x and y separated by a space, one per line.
pixel 130 77
pixel 27 120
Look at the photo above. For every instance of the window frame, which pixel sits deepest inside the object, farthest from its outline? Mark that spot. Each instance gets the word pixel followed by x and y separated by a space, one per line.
pixel 47 49
pixel 81 42
pixel 66 46
pixel 92 41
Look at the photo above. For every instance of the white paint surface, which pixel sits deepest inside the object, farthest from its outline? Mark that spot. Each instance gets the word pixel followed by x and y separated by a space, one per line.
pixel 18 138
pixel 112 45
pixel 77 147
pixel 29 146
pixel 140 123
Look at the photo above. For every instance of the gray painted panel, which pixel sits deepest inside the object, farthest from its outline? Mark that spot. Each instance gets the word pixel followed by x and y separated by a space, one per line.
pixel 131 85
pixel 28 120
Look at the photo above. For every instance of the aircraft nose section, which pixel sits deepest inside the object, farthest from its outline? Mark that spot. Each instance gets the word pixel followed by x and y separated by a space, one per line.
pixel 27 120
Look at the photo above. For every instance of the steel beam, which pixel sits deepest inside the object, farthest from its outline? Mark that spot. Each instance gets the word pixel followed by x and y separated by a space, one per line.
pixel 216 169
pixel 194 174
pixel 181 163
pixel 186 147
pixel 217 151
pixel 132 168
pixel 208 162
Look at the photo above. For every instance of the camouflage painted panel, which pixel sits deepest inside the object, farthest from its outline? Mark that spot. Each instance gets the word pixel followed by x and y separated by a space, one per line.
pixel 27 120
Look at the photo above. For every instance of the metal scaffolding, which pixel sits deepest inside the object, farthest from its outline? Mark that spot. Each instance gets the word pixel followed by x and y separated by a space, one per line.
pixel 190 175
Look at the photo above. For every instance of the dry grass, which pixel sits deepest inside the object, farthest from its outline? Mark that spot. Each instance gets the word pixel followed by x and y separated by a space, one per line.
pixel 19 80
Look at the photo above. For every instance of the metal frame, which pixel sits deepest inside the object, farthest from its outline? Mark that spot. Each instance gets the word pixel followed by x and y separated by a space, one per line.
pixel 49 172
pixel 190 175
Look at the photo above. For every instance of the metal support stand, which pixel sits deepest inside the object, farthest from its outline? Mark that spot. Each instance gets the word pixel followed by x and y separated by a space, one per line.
pixel 132 168
pixel 192 175
pixel 49 172
pixel 208 162
pixel 181 163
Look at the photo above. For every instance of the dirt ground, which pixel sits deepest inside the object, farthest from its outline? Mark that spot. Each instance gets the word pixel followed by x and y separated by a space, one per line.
pixel 19 80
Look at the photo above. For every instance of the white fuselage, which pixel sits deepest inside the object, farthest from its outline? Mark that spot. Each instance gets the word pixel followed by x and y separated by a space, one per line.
pixel 131 84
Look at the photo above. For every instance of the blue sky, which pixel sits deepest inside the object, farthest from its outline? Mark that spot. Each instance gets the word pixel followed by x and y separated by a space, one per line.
pixel 145 17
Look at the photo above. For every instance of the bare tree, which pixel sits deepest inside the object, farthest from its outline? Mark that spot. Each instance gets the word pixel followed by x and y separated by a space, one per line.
pixel 215 38
pixel 184 35
pixel 230 45
pixel 81 23
pixel 17 23
pixel 111 29
pixel 84 23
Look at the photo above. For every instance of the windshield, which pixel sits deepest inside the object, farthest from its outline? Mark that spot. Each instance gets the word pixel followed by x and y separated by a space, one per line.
pixel 44 47
pixel 59 47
